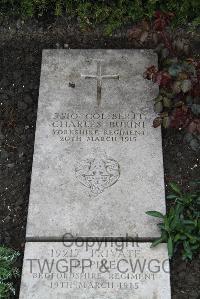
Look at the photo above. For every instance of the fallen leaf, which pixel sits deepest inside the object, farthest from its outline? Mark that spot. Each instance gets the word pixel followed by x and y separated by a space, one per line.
pixel 151 72
pixel 157 122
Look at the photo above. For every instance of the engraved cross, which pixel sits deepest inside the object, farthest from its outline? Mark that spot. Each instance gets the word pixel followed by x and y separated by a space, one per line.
pixel 99 78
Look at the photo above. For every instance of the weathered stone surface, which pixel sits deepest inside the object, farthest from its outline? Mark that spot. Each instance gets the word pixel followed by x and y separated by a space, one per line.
pixel 95 271
pixel 97 162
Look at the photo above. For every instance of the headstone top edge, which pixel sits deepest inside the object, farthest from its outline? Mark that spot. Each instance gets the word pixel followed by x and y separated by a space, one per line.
pixel 129 51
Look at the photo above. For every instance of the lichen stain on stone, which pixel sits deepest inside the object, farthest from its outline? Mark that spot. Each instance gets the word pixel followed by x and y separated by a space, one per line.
pixel 73 76
pixel 155 295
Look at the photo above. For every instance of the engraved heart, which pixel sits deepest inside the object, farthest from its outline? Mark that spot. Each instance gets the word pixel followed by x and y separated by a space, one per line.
pixel 97 174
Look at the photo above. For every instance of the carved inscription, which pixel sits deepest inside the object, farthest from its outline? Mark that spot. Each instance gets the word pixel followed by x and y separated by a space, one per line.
pixel 97 268
pixel 97 174
pixel 98 127
pixel 99 78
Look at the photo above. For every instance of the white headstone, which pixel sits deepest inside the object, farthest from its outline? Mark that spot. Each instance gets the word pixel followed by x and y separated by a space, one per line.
pixel 98 164
pixel 95 271
pixel 97 169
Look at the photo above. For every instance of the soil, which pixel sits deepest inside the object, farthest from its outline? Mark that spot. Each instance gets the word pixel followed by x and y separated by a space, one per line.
pixel 20 61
